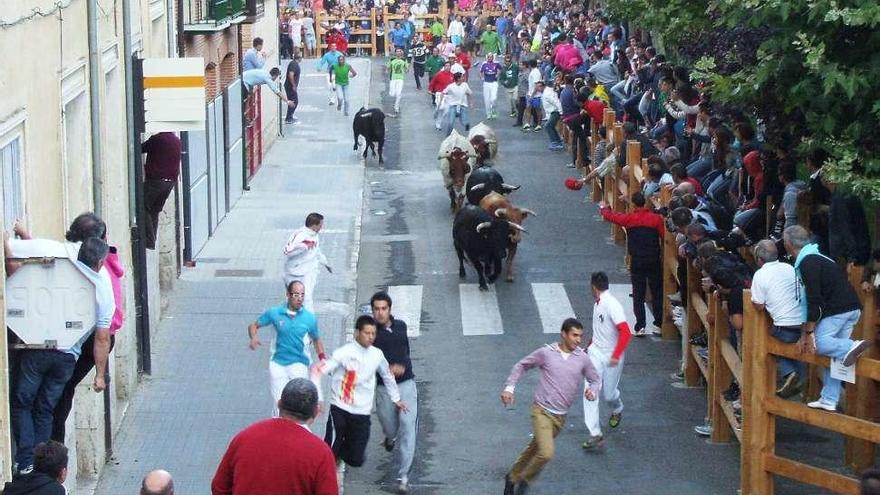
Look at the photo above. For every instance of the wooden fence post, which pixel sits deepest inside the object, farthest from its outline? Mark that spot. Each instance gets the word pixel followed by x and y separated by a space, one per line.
pixel 618 205
pixel 594 140
pixel 633 161
pixel 692 372
pixel 759 385
pixel 719 374
pixel 374 49
pixel 861 400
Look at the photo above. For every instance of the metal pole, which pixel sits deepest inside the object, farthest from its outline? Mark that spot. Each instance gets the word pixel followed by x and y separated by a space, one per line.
pixel 95 106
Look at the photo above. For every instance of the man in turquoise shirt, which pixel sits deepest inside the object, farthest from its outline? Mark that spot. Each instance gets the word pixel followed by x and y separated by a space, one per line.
pixel 295 328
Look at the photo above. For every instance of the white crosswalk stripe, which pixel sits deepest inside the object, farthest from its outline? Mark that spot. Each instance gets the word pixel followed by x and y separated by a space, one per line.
pixel 479 310
pixel 407 306
pixel 553 305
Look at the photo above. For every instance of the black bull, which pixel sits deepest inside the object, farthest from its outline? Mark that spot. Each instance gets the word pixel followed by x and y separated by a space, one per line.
pixel 483 181
pixel 482 240
pixel 370 123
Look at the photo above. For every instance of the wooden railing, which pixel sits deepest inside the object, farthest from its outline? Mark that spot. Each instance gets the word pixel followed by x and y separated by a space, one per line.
pixel 761 407
pixel 753 365
pixel 357 30
pixel 429 19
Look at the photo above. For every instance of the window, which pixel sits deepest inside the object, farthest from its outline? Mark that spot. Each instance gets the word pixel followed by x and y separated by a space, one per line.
pixel 77 153
pixel 11 158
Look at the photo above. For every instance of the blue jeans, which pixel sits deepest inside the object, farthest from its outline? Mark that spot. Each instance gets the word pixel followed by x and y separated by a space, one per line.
pixel 454 112
pixel 832 340
pixel 699 168
pixel 785 366
pixel 550 127
pixel 41 380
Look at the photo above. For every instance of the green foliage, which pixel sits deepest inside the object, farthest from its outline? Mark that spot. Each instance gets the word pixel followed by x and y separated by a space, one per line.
pixel 812 74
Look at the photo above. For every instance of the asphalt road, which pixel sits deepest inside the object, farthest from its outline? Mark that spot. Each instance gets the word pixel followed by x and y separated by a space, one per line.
pixel 467 440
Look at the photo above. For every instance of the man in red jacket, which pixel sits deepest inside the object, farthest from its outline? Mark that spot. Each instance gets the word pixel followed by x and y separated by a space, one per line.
pixel 280 456
pixel 644 242
pixel 438 83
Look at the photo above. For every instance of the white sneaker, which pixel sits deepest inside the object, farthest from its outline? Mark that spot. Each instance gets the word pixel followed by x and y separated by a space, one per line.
pixel 818 404
pixel 402 486
pixel 703 430
pixel 858 347
pixel 655 331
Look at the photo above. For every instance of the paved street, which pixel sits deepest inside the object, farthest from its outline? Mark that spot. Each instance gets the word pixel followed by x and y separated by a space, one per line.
pixel 207 385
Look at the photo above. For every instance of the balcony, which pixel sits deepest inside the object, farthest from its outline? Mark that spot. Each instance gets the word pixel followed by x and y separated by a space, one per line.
pixel 207 16
pixel 254 10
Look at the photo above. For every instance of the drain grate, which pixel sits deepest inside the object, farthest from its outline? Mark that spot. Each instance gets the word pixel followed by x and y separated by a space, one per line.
pixel 238 273
pixel 213 260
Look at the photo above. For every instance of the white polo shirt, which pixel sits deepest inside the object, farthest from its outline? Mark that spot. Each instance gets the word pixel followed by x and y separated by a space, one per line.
pixel 776 286
pixel 607 314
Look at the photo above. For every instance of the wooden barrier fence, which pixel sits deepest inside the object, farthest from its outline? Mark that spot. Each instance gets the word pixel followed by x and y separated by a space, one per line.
pixel 753 365
pixel 429 19
pixel 357 30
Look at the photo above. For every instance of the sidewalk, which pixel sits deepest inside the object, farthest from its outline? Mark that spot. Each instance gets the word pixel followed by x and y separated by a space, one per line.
pixel 206 384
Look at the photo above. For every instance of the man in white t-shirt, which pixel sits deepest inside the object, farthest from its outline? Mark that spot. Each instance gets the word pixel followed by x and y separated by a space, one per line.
pixel 295 28
pixel 775 287
pixel 457 97
pixel 611 335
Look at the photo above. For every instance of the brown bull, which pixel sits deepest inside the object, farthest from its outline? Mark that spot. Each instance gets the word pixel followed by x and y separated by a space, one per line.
pixel 500 206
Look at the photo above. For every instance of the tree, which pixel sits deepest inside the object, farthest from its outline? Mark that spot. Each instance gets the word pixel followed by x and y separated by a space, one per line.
pixel 808 69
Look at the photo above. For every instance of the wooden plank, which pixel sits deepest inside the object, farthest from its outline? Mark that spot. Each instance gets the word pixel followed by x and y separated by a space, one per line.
pixel 732 360
pixel 810 475
pixel 759 384
pixel 862 402
pixel 719 374
pixel 729 417
pixel 695 325
pixel 865 366
pixel 698 361
pixel 840 423
pixel 700 308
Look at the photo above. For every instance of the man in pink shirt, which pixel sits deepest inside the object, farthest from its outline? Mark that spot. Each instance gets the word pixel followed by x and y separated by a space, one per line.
pixel 563 366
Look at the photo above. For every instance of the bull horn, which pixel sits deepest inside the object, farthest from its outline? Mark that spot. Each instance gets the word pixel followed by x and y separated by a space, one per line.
pixel 483 225
pixel 501 212
pixel 478 187
pixel 517 226
pixel 530 212
pixel 508 187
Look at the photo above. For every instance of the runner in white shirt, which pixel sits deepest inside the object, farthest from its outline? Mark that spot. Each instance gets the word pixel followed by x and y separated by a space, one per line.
pixel 303 257
pixel 611 335
pixel 457 98
pixel 352 369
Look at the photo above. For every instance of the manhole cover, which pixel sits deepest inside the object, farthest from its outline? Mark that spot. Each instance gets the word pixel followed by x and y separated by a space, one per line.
pixel 238 273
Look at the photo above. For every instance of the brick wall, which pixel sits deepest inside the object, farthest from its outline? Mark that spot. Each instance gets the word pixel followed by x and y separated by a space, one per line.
pixel 212 81
pixel 228 69
pixel 215 48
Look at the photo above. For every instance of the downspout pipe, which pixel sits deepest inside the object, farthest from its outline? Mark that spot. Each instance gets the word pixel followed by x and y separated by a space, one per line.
pixel 95 107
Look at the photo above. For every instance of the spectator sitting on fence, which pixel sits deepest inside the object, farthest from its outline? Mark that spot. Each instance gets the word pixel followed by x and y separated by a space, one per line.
pixel 775 288
pixel 832 309
pixel 683 182
pixel 786 214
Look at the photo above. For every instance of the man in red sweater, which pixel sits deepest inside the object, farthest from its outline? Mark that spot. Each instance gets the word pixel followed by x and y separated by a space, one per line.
pixel 280 456
pixel 644 242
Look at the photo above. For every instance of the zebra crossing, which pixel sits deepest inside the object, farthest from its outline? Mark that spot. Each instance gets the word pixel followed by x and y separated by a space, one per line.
pixel 481 313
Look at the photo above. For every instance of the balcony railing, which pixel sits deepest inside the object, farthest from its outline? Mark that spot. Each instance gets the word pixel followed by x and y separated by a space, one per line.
pixel 212 15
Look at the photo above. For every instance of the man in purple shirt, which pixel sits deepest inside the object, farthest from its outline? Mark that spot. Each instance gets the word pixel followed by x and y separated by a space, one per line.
pixel 489 72
pixel 160 175
pixel 563 366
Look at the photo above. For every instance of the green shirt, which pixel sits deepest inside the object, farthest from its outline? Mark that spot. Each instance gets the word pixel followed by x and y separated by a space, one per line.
pixel 491 42
pixel 398 68
pixel 341 72
pixel 437 29
pixel 433 65
pixel 510 76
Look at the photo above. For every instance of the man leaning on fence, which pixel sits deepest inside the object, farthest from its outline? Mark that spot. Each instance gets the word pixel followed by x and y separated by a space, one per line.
pixel 832 309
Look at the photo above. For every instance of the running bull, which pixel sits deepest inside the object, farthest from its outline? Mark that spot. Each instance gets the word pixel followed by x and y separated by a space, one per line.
pixel 457 158
pixel 370 123
pixel 483 181
pixel 481 239
pixel 485 141
pixel 500 207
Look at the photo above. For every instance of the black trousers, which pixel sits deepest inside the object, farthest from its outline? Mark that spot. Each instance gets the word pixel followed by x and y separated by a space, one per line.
pixel 642 278
pixel 293 96
pixel 418 74
pixel 347 434
pixel 578 126
pixel 156 191
pixel 83 366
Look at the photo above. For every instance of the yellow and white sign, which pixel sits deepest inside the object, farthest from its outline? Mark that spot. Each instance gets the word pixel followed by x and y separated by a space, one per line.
pixel 174 94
